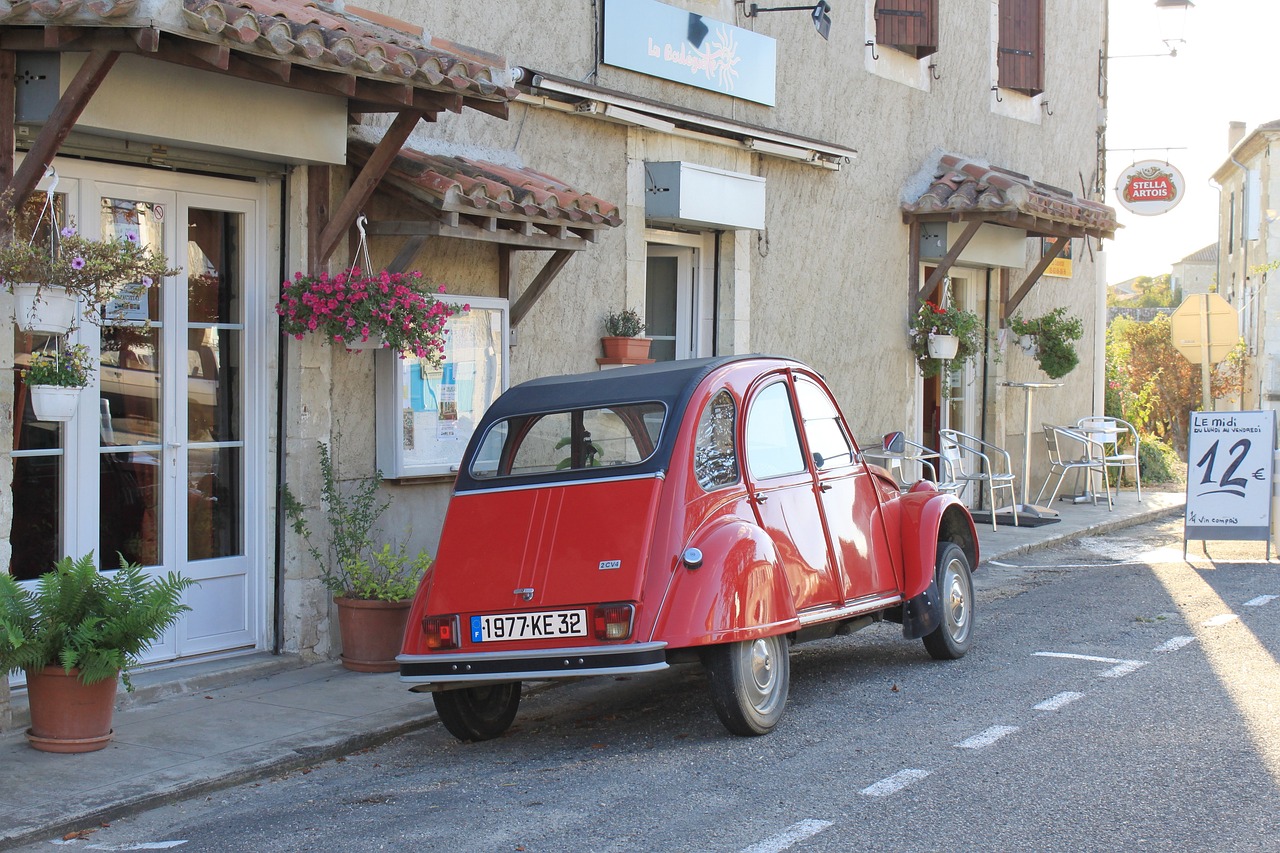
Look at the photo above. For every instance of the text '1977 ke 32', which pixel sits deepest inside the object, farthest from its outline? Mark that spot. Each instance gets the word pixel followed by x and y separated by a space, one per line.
pixel 712 510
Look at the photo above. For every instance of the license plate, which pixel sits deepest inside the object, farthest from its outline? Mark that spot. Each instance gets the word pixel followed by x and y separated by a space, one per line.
pixel 528 626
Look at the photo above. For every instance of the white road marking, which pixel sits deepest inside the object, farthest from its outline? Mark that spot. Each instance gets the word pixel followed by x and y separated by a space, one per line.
pixel 1261 600
pixel 986 738
pixel 1053 703
pixel 1219 620
pixel 1174 643
pixel 136 845
pixel 895 783
pixel 791 835
pixel 1122 667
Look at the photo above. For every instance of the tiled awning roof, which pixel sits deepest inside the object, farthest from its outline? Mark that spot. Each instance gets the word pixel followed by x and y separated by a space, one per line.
pixel 377 64
pixel 493 196
pixel 963 189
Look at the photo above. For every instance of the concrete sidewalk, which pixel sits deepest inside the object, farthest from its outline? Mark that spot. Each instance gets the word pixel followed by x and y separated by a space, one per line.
pixel 191 729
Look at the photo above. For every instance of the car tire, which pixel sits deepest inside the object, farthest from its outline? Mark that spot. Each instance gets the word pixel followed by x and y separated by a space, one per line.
pixel 478 713
pixel 749 683
pixel 951 639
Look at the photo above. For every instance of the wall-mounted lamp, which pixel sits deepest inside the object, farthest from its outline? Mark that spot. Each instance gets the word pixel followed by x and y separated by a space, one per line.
pixel 1175 4
pixel 819 13
pixel 1172 44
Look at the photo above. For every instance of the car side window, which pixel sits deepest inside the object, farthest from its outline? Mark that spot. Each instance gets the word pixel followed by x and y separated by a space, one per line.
pixel 773 447
pixel 827 440
pixel 715 459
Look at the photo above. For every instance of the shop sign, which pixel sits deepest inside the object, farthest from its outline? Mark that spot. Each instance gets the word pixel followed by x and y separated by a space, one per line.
pixel 1150 188
pixel 673 44
pixel 1229 475
pixel 1059 267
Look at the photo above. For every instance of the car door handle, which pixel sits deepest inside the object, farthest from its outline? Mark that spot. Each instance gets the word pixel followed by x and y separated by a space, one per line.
pixel 824 487
pixel 759 498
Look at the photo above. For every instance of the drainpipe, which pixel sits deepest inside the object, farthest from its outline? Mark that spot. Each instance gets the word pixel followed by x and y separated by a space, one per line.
pixel 986 337
pixel 282 357
pixel 1244 256
pixel 715 296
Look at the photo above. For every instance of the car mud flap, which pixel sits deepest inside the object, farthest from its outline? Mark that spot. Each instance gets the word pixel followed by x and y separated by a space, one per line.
pixel 922 614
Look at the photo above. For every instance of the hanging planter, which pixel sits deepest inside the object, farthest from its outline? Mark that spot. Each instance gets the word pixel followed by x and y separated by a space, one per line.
pixel 1027 343
pixel 943 346
pixel 54 402
pixel 45 309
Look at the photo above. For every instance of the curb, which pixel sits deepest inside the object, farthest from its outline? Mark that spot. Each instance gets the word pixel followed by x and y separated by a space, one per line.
pixel 1096 530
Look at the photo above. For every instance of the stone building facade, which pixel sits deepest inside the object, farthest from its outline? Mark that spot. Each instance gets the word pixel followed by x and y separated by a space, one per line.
pixel 744 183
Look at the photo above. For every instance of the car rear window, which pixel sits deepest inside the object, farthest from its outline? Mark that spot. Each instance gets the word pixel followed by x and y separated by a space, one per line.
pixel 574 440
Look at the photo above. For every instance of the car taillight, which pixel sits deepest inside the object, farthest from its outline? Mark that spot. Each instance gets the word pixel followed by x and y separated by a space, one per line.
pixel 441 631
pixel 612 621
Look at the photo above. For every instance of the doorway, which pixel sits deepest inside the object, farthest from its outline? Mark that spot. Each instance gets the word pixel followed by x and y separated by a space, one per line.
pixel 162 462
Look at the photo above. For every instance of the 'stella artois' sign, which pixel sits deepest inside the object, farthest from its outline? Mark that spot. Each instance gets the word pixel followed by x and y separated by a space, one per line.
pixel 1150 187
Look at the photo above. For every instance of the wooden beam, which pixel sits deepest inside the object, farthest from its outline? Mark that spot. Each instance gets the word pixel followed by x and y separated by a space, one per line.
pixel 913 268
pixel 365 183
pixel 504 271
pixel 539 284
pixel 407 253
pixel 1014 301
pixel 945 264
pixel 61 121
pixel 8 108
pixel 317 214
pixel 452 225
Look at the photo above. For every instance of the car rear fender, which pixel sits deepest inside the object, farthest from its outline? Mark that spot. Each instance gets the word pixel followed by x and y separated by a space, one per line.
pixel 930 517
pixel 739 592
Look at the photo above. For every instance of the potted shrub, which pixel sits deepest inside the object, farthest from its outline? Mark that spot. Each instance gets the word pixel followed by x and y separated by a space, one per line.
pixel 73 634
pixel 47 279
pixel 54 381
pixel 372 585
pixel 944 334
pixel 622 341
pixel 1054 335
pixel 357 311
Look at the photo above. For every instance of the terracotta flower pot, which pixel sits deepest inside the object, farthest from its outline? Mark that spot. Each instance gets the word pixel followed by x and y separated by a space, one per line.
pixel 67 715
pixel 618 350
pixel 372 633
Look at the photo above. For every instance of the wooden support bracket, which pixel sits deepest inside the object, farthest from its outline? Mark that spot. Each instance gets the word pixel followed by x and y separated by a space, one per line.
pixel 1011 305
pixel 539 284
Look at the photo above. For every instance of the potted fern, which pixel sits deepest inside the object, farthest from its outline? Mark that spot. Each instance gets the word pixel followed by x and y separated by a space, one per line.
pixel 1053 338
pixel 372 584
pixel 74 633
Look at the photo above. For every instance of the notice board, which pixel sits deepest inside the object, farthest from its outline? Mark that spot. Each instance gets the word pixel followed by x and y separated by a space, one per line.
pixel 1229 474
pixel 425 414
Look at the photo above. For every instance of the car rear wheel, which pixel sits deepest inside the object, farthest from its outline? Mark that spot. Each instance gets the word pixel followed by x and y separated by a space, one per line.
pixel 952 638
pixel 478 713
pixel 749 683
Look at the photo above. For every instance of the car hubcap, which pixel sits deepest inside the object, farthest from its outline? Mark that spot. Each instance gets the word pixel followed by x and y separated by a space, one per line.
pixel 956 602
pixel 763 672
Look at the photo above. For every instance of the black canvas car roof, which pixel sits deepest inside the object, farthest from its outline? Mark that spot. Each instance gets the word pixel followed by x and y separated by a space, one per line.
pixel 671 383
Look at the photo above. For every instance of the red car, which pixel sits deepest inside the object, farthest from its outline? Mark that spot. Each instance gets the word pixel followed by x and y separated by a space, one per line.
pixel 711 510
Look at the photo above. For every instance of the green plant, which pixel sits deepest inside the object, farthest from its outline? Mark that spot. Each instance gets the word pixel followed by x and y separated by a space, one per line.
pixel 96 270
pixel 353 307
pixel 1159 462
pixel 78 617
pixel 626 323
pixel 350 565
pixel 72 368
pixel 1055 334
pixel 933 319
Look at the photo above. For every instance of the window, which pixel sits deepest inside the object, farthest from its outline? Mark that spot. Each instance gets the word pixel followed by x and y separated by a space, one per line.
pixel 827 441
pixel 570 441
pixel 910 26
pixel 715 461
pixel 773 447
pixel 1020 48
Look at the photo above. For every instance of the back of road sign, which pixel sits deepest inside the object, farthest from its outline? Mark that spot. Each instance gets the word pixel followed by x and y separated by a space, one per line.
pixel 1187 327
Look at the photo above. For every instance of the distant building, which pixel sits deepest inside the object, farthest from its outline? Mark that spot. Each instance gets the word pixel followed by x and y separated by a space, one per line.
pixel 1197 272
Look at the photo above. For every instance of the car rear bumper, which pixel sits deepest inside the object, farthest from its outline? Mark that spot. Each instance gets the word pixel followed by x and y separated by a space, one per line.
pixel 539 664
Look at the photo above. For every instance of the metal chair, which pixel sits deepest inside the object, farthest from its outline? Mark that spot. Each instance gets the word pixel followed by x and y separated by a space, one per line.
pixel 905 460
pixel 968 459
pixel 1111 434
pixel 1079 455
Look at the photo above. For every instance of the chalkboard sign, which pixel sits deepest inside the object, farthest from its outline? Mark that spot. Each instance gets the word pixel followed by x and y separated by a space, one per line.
pixel 1229 476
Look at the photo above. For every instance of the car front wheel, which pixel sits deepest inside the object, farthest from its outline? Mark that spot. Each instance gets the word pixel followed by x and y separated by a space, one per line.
pixel 952 638
pixel 749 683
pixel 478 713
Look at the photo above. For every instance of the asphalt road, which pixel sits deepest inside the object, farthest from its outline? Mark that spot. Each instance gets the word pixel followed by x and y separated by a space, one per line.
pixel 1116 698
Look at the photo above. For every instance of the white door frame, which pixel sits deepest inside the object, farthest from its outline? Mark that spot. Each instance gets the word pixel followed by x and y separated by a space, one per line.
pixel 695 299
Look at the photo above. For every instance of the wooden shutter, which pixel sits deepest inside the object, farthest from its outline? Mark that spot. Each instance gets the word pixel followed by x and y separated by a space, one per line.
pixel 910 26
pixel 1021 49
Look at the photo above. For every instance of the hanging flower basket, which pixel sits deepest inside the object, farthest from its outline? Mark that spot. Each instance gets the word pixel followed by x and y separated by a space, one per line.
pixel 943 346
pixel 353 310
pixel 44 309
pixel 54 402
